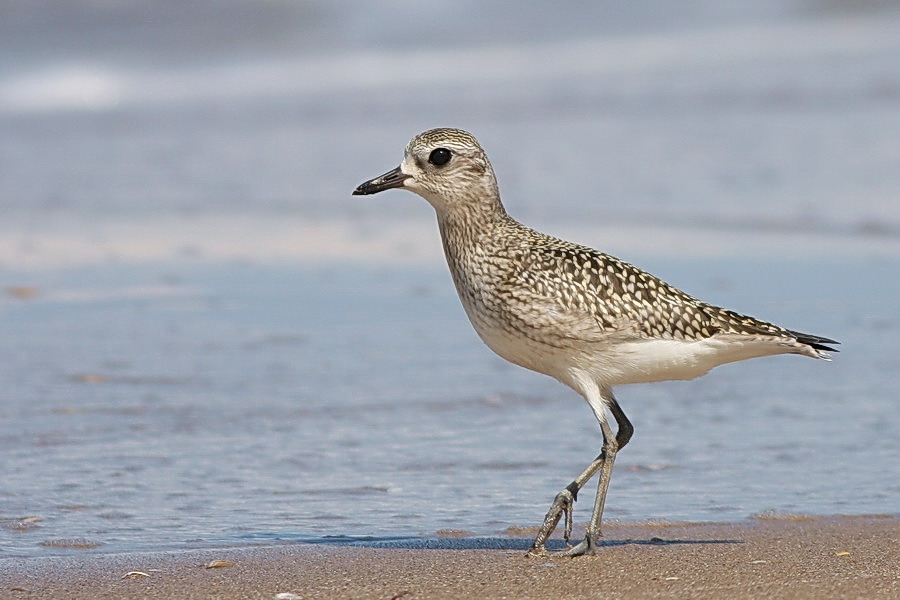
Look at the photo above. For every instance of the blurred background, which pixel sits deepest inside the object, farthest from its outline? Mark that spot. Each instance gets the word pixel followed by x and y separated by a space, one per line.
pixel 207 340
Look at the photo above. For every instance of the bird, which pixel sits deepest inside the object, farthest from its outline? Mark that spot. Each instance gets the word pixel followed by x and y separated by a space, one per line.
pixel 581 316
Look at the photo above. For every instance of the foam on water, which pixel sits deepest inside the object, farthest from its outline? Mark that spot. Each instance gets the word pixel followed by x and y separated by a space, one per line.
pixel 666 57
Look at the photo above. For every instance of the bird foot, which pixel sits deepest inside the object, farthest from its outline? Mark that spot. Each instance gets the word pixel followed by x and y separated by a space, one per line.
pixel 585 547
pixel 561 508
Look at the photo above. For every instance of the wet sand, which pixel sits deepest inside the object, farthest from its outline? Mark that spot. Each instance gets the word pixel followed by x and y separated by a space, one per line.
pixel 841 557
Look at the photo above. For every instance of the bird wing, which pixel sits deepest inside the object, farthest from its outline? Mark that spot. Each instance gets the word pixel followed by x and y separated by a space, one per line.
pixel 580 293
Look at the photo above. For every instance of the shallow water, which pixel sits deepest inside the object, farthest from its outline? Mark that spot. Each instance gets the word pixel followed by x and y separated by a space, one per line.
pixel 206 340
pixel 174 406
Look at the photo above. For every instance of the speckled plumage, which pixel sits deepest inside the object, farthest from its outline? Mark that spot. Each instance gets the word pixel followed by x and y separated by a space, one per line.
pixel 584 317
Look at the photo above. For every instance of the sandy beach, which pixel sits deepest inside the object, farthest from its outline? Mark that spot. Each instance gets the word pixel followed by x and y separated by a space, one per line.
pixel 842 557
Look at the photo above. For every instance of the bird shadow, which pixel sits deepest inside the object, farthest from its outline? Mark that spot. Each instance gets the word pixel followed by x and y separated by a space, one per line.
pixel 478 543
pixel 524 544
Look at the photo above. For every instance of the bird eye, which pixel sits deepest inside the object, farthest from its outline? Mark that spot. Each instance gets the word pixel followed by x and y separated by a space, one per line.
pixel 439 157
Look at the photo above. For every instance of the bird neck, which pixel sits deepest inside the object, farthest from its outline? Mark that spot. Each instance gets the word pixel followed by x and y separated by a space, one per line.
pixel 471 221
pixel 471 234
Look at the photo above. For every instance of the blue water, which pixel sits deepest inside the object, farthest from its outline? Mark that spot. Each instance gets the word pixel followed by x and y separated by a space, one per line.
pixel 206 340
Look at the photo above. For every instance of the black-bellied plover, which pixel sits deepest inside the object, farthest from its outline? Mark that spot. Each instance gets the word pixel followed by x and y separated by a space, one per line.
pixel 581 316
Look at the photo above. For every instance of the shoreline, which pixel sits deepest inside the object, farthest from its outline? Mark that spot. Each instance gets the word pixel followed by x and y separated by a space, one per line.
pixel 789 556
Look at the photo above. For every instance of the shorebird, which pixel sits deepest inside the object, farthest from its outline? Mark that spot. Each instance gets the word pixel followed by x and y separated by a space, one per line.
pixel 583 317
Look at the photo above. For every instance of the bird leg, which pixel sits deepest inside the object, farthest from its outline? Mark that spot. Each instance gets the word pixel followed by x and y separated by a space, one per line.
pixel 563 504
pixel 593 533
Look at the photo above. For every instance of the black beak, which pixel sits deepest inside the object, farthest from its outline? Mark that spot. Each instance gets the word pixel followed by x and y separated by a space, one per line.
pixel 391 179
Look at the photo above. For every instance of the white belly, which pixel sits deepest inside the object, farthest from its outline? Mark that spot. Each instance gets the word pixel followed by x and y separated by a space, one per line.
pixel 618 361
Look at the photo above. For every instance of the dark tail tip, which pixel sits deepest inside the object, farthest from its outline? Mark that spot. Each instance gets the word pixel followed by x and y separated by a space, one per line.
pixel 815 341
